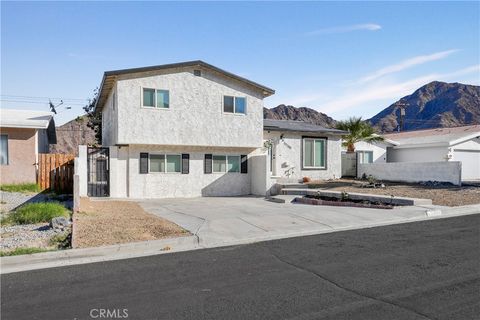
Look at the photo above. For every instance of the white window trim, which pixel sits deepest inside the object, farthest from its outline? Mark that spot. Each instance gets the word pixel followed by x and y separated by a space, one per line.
pixel 314 154
pixel 362 152
pixel 226 163
pixel 164 162
pixel 234 105
pixel 154 99
pixel 8 151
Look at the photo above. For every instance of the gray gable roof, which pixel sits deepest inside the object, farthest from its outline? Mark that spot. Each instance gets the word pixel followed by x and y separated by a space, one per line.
pixel 298 126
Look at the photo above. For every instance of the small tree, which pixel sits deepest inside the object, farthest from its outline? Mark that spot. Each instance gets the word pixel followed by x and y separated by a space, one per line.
pixel 94 117
pixel 358 130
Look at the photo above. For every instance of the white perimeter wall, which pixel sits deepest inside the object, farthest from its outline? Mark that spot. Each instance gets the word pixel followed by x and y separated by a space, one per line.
pixel 414 171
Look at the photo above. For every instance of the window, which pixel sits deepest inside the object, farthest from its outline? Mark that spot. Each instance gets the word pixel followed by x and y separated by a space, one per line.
pixel 197 73
pixel 3 149
pixel 225 163
pixel 365 156
pixel 154 98
pixel 234 104
pixel 314 153
pixel 170 163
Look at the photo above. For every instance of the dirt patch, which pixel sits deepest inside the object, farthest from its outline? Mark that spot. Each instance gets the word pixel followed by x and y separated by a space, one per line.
pixel 440 195
pixel 112 222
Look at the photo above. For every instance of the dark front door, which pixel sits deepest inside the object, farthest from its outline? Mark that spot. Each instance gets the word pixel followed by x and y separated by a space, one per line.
pixel 98 172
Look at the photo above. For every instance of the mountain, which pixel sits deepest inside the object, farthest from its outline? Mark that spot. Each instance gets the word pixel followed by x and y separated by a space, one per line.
pixel 283 112
pixel 71 135
pixel 435 105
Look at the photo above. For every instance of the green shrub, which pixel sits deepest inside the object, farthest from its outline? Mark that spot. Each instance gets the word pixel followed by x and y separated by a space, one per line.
pixel 36 213
pixel 19 251
pixel 62 240
pixel 23 187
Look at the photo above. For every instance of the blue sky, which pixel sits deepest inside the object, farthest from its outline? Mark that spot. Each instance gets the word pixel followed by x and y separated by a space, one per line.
pixel 343 58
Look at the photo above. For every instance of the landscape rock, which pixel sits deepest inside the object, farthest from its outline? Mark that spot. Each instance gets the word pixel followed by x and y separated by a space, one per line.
pixel 59 223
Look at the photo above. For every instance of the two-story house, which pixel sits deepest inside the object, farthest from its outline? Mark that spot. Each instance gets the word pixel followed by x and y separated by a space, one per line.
pixel 191 129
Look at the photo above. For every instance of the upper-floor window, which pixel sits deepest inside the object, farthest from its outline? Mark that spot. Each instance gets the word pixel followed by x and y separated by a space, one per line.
pixel 234 104
pixel 155 98
pixel 3 149
pixel 314 153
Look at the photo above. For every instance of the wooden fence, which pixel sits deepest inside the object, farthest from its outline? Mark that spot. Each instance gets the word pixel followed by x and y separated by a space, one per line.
pixel 55 172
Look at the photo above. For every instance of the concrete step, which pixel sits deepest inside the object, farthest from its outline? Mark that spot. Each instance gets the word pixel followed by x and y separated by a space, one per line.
pixel 282 198
pixel 293 186
pixel 294 191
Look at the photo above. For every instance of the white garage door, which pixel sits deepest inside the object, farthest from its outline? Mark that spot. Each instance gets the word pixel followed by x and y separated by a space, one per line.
pixel 470 163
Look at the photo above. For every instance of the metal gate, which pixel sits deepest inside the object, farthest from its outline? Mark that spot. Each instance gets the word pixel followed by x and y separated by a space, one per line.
pixel 349 164
pixel 98 172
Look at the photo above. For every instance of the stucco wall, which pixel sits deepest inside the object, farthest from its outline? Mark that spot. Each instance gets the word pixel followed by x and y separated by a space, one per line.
pixel 195 116
pixel 379 150
pixel 414 171
pixel 109 120
pixel 288 153
pixel 417 154
pixel 22 144
pixel 126 181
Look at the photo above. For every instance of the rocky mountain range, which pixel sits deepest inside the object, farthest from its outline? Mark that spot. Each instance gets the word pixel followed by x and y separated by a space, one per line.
pixel 283 112
pixel 435 105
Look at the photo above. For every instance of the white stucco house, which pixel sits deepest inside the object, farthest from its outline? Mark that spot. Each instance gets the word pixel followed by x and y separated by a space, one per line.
pixel 191 129
pixel 458 144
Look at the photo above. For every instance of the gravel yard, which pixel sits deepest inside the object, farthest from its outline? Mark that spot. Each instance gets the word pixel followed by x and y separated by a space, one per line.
pixel 27 235
pixel 11 200
pixel 107 222
pixel 440 195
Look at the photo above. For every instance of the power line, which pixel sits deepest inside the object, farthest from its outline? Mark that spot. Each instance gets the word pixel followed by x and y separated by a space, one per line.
pixel 33 97
pixel 39 102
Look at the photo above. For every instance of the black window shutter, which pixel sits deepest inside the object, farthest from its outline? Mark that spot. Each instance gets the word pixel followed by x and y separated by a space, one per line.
pixel 244 165
pixel 143 162
pixel 208 163
pixel 185 163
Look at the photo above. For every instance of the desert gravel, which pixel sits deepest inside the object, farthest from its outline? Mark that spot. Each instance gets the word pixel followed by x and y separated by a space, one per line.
pixel 107 222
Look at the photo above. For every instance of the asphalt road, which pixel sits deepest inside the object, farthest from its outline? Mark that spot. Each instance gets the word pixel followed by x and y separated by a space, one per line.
pixel 423 270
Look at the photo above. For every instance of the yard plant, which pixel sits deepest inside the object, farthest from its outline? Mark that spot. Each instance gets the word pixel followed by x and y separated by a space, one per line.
pixel 36 213
pixel 23 187
pixel 358 130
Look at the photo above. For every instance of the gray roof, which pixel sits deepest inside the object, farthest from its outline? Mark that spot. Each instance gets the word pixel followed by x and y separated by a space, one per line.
pixel 298 126
pixel 109 77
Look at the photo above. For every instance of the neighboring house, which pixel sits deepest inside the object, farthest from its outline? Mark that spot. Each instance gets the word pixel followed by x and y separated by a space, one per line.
pixel 432 145
pixel 24 134
pixel 442 144
pixel 191 129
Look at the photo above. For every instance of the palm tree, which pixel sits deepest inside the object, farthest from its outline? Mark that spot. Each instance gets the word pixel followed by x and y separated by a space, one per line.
pixel 358 130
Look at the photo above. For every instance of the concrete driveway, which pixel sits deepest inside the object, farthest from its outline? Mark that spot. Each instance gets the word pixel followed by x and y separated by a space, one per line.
pixel 243 219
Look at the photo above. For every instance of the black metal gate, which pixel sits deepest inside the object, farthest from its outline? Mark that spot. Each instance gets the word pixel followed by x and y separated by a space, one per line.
pixel 98 172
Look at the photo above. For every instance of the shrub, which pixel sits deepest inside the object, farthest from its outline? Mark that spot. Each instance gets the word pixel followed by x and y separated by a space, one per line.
pixel 62 240
pixel 36 213
pixel 23 187
pixel 19 251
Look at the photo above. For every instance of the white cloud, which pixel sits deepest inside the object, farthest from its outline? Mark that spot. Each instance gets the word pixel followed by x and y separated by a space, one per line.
pixel 344 29
pixel 407 64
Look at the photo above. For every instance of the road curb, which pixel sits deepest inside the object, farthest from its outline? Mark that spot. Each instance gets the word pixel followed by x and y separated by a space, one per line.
pixel 163 246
